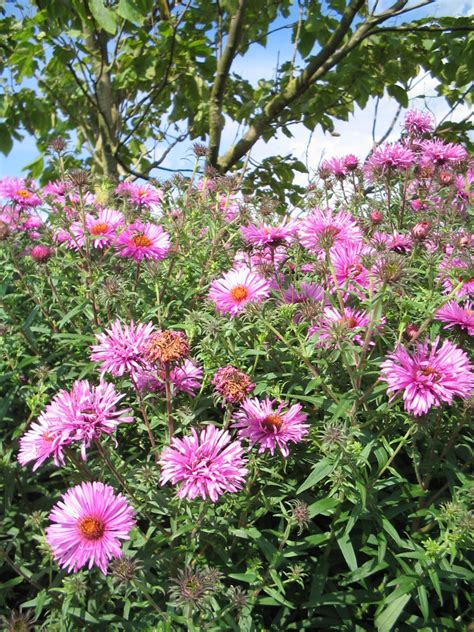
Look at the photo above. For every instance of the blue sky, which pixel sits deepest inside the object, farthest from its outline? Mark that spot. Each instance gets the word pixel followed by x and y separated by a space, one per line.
pixel 354 136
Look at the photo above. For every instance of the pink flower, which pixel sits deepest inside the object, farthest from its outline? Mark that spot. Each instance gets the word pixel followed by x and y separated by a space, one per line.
pixel 185 378
pixel 102 230
pixel 85 413
pixel 428 377
pixel 41 253
pixel 229 205
pixel 418 123
pixel 19 191
pixel 206 464
pixel 39 443
pixel 386 159
pixel 334 326
pixel 57 190
pixel 88 525
pixel 335 167
pixel 453 314
pixel 308 292
pixel 231 384
pixel 258 422
pixel 142 194
pixel 121 349
pixel 452 272
pixel 351 162
pixel 143 241
pixel 321 230
pixel 436 152
pixel 265 235
pixel 346 259
pixel 239 287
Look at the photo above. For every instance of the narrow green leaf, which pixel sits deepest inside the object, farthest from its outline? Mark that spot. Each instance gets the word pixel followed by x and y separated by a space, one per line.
pixel 347 551
pixel 320 471
pixel 388 617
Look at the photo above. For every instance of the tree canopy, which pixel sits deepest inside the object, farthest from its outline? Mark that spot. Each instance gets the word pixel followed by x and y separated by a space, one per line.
pixel 130 79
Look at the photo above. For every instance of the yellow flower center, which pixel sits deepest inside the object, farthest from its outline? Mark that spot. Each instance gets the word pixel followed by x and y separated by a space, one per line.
pixel 142 241
pixel 239 293
pixel 100 228
pixel 23 193
pixel 92 528
pixel 272 421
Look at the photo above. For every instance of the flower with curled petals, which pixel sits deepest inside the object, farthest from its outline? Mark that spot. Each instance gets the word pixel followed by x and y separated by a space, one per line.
pixel 143 241
pixel 239 287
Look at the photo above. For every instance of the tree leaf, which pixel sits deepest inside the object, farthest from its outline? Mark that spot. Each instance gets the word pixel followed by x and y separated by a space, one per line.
pixel 104 17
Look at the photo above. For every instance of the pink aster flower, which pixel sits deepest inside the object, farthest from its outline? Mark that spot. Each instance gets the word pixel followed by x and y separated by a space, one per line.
pixel 88 525
pixel 334 326
pixel 265 235
pixel 102 229
pixel 455 315
pixel 438 153
pixel 20 192
pixel 143 241
pixel 39 443
pixel 335 167
pixel 206 464
pixel 141 194
pixel 321 230
pixel 228 205
pixel 185 378
pixel 428 377
pixel 85 413
pixel 260 423
pixel 417 123
pixel 122 348
pixel 308 292
pixel 387 159
pixel 346 259
pixel 239 287
pixel 41 253
pixel 57 190
pixel 351 162
pixel 454 270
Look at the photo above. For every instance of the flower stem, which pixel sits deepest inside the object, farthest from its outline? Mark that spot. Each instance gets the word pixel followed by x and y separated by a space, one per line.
pixel 169 405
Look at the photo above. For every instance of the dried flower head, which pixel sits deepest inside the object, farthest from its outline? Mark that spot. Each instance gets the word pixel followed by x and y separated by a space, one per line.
pixel 18 621
pixel 233 385
pixel 57 144
pixel 166 347
pixel 300 514
pixel 390 268
pixel 79 178
pixel 333 434
pixel 4 230
pixel 124 569
pixel 238 597
pixel 199 150
pixel 194 586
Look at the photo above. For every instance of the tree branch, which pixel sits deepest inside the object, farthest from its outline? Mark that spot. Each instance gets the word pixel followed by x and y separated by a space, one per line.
pixel 218 89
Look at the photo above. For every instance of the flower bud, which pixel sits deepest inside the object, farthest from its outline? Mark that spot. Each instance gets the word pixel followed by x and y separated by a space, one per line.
pixel 376 217
pixel 420 231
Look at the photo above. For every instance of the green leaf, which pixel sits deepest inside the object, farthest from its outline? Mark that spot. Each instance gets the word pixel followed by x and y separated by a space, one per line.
pixel 104 17
pixel 399 93
pixel 347 551
pixel 320 471
pixel 129 11
pixel 323 507
pixel 388 617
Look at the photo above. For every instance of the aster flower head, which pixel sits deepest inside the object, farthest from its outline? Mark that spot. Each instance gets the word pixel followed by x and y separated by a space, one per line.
pixel 167 347
pixel 85 413
pixel 205 464
pixel 19 191
pixel 40 442
pixel 121 348
pixel 41 253
pixel 388 159
pixel 346 259
pixel 417 123
pixel 455 315
pixel 185 378
pixel 143 241
pixel 233 292
pixel 453 270
pixel 334 326
pixel 260 422
pixel 140 194
pixel 351 162
pixel 322 230
pixel 266 235
pixel 335 167
pixel 231 384
pixel 88 525
pixel 438 153
pixel 102 229
pixel 429 376
pixel 194 586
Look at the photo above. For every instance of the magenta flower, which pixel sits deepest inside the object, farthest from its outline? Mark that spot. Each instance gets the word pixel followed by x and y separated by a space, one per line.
pixel 122 348
pixel 228 205
pixel 85 413
pixel 387 159
pixel 206 464
pixel 308 293
pixel 41 253
pixel 39 443
pixel 346 260
pixel 455 315
pixel 321 230
pixel 334 326
pixel 185 378
pixel 143 241
pixel 88 525
pixel 452 271
pixel 17 190
pixel 417 123
pixel 265 235
pixel 428 377
pixel 239 287
pixel 102 229
pixel 335 167
pixel 438 153
pixel 258 422
pixel 141 194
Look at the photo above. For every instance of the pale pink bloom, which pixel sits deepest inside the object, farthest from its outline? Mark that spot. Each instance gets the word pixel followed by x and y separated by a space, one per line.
pixel 454 270
pixel 229 205
pixel 239 287
pixel 30 222
pixel 272 236
pixel 335 167
pixel 141 194
pixel 206 464
pixel 346 259
pixel 428 377
pixel 308 292
pixel 39 443
pixel 102 229
pixel 399 243
pixel 185 378
pixel 10 215
pixel 259 422
pixel 334 326
pixel 322 230
pixel 143 241
pixel 205 185
pixel 57 190
pixel 387 159
pixel 436 152
pixel 88 525
pixel 61 236
pixel 122 348
pixel 85 413
pixel 455 315
pixel 417 123
pixel 20 192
